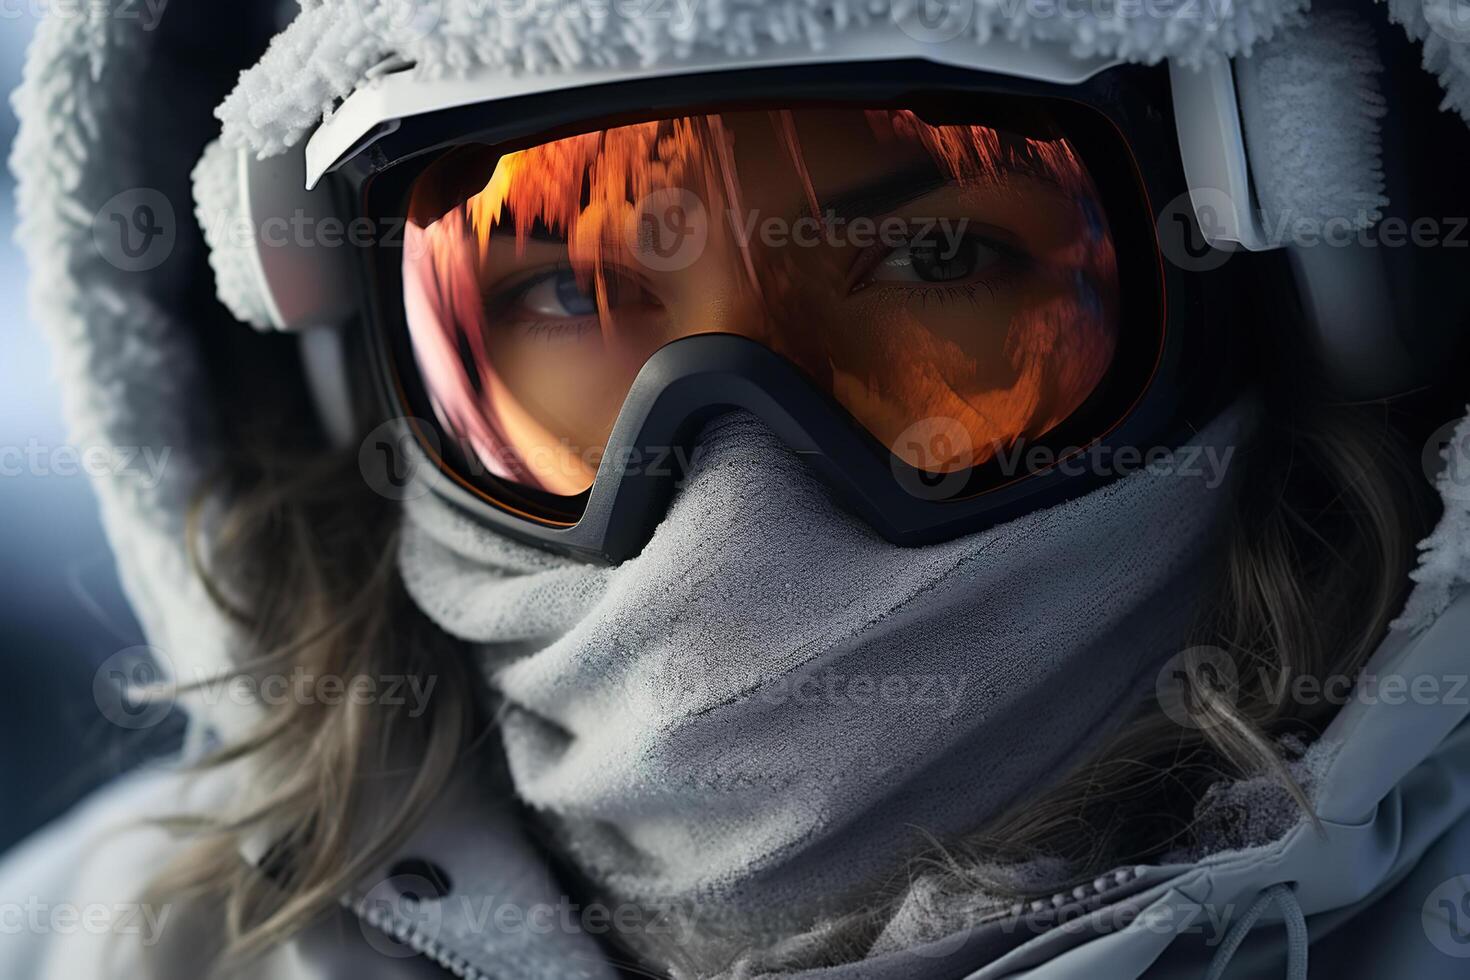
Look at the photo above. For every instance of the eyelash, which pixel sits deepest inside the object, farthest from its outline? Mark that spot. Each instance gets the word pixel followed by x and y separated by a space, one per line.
pixel 1010 262
pixel 922 296
pixel 554 330
pixel 551 331
pixel 910 294
pixel 506 296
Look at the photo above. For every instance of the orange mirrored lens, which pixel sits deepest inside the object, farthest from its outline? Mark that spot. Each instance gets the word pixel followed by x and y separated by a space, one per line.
pixel 954 287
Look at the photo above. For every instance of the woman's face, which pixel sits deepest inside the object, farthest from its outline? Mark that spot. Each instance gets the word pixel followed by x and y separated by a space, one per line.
pixel 915 272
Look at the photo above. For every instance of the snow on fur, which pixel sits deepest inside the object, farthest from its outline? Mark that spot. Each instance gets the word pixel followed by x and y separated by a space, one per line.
pixel 1312 122
pixel 1444 563
pixel 1443 27
pixel 333 45
pixel 128 370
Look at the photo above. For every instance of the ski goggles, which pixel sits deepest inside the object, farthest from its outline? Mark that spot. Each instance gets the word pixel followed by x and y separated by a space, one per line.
pixel 936 287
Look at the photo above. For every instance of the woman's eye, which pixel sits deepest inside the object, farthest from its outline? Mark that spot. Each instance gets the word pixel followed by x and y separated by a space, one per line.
pixel 937 262
pixel 558 295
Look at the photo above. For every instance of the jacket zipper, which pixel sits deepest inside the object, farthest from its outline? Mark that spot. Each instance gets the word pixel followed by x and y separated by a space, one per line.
pixel 431 949
pixel 436 952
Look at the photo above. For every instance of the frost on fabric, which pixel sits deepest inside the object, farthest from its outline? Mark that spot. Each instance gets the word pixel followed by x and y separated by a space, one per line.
pixel 1242 814
pixel 124 360
pixel 1443 26
pixel 939 905
pixel 333 45
pixel 1444 561
pixel 1312 123
pixel 1232 816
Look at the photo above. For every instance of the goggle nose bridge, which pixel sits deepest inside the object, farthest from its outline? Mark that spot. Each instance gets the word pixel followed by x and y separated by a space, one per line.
pixel 683 387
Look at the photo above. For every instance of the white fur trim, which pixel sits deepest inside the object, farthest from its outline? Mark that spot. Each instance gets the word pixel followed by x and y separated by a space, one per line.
pixel 1444 562
pixel 129 373
pixel 1443 26
pixel 334 44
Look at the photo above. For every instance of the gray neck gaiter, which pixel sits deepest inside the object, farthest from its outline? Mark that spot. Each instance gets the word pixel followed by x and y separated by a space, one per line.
pixel 760 717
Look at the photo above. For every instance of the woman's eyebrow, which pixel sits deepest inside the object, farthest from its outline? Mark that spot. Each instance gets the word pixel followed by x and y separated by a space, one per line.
pixel 890 191
pixel 881 194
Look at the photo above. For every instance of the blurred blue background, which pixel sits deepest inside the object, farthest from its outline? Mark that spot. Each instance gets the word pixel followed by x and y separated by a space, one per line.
pixel 61 611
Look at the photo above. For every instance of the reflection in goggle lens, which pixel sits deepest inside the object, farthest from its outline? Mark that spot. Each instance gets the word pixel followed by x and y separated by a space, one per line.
pixel 954 287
